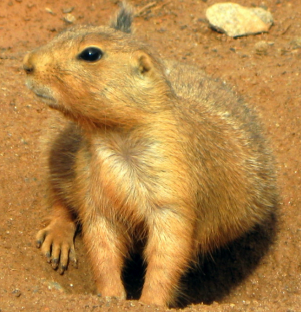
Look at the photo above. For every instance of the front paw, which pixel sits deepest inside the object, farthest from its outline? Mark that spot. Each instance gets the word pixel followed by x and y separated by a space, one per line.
pixel 56 241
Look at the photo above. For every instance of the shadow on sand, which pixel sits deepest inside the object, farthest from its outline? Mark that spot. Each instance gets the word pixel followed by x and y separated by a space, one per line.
pixel 217 274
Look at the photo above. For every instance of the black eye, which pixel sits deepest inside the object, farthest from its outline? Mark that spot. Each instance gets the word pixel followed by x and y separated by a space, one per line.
pixel 91 54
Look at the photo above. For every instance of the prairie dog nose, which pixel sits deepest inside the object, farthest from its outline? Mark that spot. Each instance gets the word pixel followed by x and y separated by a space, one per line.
pixel 27 64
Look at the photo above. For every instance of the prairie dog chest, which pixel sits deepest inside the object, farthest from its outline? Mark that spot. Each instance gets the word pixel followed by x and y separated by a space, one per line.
pixel 135 174
pixel 123 170
pixel 121 156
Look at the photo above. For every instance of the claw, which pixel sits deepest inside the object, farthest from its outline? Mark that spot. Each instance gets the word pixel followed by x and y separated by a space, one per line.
pixel 55 263
pixel 63 269
pixel 74 263
pixel 48 257
pixel 72 257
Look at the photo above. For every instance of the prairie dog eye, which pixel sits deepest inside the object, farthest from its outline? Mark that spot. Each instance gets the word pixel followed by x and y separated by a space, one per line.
pixel 91 54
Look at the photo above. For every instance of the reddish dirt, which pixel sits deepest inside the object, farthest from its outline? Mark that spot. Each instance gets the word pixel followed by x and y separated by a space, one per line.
pixel 260 272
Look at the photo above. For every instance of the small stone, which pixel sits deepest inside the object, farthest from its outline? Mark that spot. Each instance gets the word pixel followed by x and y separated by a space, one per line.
pixel 161 30
pixel 68 10
pixel 16 292
pixel 69 18
pixel 261 47
pixel 236 20
pixel 48 10
pixel 296 43
pixel 53 285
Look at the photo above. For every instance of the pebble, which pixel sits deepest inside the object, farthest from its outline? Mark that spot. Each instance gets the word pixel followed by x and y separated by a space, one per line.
pixel 296 43
pixel 68 10
pixel 48 10
pixel 236 20
pixel 69 18
pixel 56 286
pixel 51 285
pixel 16 292
pixel 261 47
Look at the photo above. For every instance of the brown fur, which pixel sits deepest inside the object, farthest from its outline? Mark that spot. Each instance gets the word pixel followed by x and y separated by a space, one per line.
pixel 155 152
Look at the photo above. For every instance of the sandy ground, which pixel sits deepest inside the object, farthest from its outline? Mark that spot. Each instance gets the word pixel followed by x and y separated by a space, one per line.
pixel 260 272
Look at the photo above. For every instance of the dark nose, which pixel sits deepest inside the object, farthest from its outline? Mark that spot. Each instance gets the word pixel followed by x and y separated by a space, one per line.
pixel 27 64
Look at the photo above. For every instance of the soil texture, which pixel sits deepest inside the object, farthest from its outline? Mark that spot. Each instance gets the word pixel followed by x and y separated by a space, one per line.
pixel 259 272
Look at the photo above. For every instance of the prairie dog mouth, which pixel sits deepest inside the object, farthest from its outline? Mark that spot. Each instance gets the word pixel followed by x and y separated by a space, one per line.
pixel 43 93
pixel 43 96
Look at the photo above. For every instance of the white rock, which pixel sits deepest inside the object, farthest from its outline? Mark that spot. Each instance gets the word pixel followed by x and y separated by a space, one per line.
pixel 235 20
pixel 69 18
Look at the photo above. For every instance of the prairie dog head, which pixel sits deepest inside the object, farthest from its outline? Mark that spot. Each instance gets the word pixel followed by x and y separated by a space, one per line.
pixel 99 74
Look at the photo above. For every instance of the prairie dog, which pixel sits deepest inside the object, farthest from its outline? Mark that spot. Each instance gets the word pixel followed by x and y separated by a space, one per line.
pixel 155 152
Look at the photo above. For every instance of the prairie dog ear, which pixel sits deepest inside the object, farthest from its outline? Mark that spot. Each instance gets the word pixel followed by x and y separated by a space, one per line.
pixel 123 19
pixel 143 63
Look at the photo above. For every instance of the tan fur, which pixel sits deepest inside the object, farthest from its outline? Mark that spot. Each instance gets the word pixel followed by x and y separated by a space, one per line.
pixel 155 152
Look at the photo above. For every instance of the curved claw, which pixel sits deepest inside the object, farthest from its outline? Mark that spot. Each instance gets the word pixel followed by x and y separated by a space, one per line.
pixel 40 237
pixel 72 257
pixel 57 244
pixel 63 269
